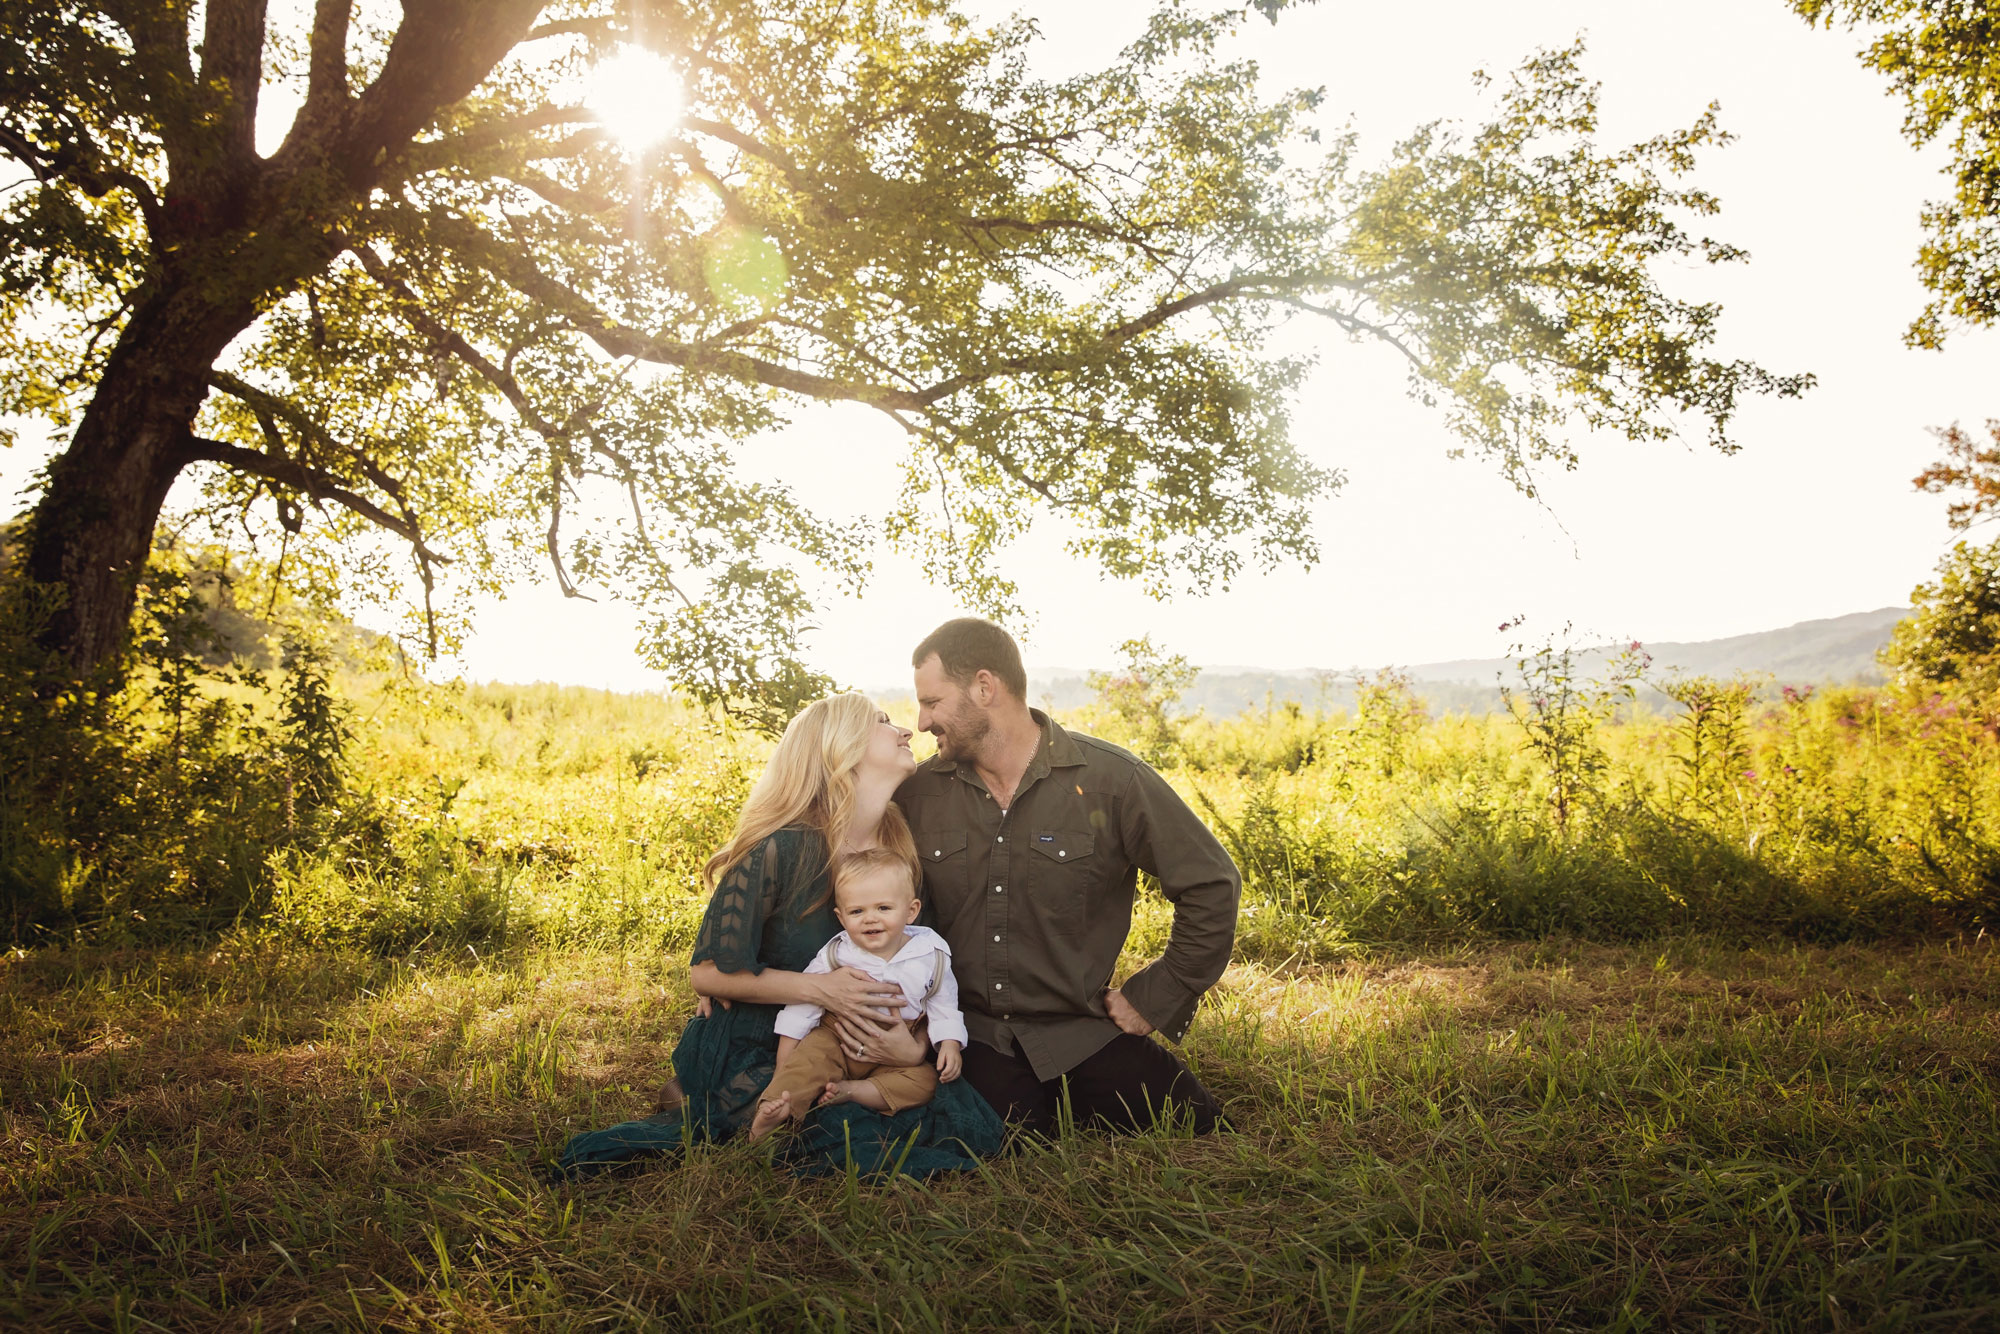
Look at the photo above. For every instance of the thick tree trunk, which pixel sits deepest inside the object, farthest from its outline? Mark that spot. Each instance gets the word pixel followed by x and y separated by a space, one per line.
pixel 91 532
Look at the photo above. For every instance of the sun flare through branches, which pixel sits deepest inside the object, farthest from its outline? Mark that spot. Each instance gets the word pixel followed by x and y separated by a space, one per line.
pixel 637 95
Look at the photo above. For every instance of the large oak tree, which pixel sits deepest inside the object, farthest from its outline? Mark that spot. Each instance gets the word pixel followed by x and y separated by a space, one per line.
pixel 444 303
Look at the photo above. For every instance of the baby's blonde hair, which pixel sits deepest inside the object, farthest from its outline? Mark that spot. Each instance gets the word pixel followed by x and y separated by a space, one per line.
pixel 884 858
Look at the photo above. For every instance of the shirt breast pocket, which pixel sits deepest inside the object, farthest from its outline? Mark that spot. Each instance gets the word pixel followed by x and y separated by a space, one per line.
pixel 947 869
pixel 1061 874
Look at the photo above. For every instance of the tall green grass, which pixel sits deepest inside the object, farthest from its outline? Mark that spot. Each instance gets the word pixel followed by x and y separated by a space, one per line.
pixel 568 816
pixel 1839 814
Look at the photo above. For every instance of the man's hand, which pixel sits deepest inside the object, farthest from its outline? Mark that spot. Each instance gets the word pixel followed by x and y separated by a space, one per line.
pixel 1122 1014
pixel 948 1060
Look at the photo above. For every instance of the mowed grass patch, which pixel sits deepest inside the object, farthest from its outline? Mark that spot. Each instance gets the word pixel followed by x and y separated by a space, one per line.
pixel 1533 1136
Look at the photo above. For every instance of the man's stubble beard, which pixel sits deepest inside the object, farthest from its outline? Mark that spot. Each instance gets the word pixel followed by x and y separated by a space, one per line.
pixel 963 737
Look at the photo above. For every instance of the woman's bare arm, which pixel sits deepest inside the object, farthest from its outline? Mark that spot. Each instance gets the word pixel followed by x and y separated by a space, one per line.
pixel 844 992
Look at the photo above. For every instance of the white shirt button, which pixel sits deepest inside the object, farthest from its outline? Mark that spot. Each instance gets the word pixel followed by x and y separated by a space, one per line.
pixel 996 939
pixel 998 985
pixel 999 889
pixel 1062 854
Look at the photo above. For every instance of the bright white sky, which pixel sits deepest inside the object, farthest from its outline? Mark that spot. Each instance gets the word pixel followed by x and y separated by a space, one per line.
pixel 1423 556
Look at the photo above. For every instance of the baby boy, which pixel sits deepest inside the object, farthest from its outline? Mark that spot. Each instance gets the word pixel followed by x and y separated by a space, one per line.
pixel 875 900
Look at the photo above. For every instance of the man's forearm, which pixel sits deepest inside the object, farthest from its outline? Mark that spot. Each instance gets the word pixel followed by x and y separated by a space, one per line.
pixel 1167 990
pixel 1196 875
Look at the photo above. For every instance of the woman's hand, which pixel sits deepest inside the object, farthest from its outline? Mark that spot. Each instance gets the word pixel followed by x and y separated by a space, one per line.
pixel 852 994
pixel 868 1040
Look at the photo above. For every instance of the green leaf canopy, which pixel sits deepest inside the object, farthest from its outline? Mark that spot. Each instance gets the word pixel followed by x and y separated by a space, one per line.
pixel 453 305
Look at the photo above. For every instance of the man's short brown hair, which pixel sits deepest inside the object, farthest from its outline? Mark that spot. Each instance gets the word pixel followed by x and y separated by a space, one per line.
pixel 967 646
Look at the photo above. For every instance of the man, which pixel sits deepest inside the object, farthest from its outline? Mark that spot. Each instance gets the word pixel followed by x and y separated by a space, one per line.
pixel 1032 838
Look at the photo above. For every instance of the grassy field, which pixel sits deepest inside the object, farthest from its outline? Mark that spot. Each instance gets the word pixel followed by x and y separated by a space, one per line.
pixel 1711 1042
pixel 1535 1136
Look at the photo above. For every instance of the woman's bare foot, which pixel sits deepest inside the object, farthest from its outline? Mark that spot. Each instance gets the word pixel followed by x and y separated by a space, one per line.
pixel 862 1091
pixel 770 1115
pixel 670 1098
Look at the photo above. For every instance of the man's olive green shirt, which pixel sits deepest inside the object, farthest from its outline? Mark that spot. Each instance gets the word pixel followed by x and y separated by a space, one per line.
pixel 1036 900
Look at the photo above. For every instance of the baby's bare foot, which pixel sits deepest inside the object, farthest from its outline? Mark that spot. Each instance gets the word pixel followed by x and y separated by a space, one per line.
pixel 770 1115
pixel 862 1091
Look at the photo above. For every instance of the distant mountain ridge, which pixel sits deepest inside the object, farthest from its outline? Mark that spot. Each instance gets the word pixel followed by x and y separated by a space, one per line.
pixel 1835 649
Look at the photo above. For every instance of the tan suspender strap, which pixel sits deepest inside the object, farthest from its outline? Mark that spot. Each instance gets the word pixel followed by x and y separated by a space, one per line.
pixel 833 954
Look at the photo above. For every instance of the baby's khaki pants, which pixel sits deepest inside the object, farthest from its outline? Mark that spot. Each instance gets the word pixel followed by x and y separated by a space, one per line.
pixel 819 1058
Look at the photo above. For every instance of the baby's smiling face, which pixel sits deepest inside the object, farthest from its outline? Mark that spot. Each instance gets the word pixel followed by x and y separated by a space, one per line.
pixel 876 906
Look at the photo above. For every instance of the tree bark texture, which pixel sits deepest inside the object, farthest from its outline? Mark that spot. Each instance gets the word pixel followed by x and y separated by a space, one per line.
pixel 93 527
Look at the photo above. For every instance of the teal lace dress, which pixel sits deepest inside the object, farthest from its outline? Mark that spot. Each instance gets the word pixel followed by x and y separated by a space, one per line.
pixel 758 918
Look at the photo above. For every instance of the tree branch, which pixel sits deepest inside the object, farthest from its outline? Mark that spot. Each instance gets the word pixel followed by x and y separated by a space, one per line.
pixel 569 590
pixel 232 72
pixel 326 77
pixel 795 176
pixel 451 341
pixel 622 340
pixel 311 482
pixel 441 51
pixel 270 406
pixel 600 26
pixel 503 380
pixel 80 168
pixel 1262 285
pixel 433 154
pixel 1103 231
pixel 562 196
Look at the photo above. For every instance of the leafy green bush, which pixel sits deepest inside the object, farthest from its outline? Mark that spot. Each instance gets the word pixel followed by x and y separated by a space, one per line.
pixel 1951 641
pixel 151 801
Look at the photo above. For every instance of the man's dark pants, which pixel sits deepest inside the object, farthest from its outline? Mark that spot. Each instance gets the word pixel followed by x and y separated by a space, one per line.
pixel 1124 1086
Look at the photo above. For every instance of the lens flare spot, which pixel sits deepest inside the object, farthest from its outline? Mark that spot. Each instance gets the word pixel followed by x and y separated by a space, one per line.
pixel 743 265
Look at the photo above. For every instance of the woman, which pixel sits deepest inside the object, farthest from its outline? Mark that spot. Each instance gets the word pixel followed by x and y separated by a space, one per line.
pixel 826 792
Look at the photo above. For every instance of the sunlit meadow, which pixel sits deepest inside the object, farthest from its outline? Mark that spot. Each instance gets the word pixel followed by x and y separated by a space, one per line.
pixel 1717 1050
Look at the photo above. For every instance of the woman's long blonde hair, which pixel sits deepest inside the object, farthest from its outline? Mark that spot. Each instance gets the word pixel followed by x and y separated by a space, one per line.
pixel 810 781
